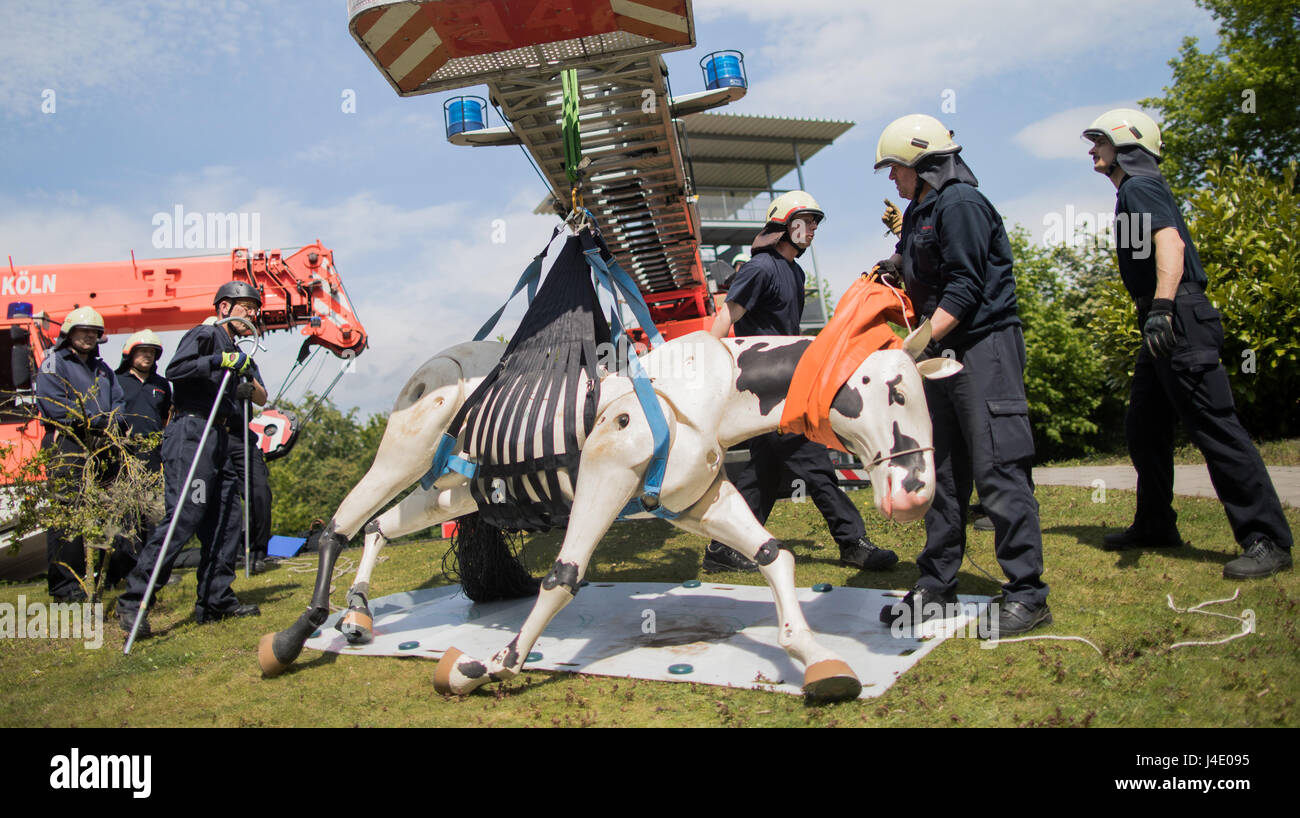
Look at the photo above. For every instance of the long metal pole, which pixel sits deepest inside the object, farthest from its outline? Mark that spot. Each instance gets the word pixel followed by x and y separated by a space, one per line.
pixel 176 516
pixel 248 497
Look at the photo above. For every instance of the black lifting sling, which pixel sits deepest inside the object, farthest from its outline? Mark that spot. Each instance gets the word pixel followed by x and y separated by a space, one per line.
pixel 521 424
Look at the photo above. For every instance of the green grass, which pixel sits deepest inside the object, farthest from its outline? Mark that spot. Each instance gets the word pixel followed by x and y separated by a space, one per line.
pixel 1275 453
pixel 207 675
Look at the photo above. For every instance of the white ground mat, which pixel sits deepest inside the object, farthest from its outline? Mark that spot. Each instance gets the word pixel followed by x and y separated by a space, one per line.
pixel 711 633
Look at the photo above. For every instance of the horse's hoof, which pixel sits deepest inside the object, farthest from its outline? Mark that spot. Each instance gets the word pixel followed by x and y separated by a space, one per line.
pixel 356 626
pixel 830 680
pixel 442 676
pixel 271 666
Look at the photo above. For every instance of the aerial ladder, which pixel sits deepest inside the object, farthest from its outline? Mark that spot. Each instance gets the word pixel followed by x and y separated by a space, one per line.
pixel 634 175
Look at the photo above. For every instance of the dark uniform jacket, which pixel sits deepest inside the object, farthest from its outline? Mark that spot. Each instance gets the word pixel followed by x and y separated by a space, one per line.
pixel 195 380
pixel 78 395
pixel 146 403
pixel 956 255
pixel 771 291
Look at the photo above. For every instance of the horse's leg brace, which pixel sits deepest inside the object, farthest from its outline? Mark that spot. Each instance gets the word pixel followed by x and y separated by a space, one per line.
pixel 418 510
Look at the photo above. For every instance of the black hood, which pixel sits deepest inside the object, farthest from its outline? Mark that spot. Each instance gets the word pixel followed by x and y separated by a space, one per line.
pixel 1135 161
pixel 938 171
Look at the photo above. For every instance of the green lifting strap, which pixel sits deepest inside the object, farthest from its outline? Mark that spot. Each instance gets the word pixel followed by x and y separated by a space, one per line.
pixel 572 140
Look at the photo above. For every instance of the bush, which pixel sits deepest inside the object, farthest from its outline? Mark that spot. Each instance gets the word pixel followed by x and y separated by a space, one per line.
pixel 1243 223
pixel 1072 407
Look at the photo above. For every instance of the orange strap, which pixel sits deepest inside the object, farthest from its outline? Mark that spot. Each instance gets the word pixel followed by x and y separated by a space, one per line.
pixel 857 329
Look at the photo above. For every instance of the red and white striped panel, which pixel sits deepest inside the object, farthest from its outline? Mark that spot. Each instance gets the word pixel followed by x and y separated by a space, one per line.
pixel 431 45
pixel 853 475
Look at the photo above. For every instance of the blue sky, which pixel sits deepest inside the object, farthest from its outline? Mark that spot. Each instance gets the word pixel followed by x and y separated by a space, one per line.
pixel 238 106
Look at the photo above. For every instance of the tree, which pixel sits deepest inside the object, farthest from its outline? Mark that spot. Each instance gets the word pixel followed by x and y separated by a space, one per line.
pixel 1240 98
pixel 102 493
pixel 1243 222
pixel 1058 290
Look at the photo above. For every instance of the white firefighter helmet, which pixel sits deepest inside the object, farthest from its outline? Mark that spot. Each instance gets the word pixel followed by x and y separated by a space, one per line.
pixel 1126 126
pixel 794 203
pixel 909 139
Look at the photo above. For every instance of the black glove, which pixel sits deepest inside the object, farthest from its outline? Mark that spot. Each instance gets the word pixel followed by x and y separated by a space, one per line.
pixel 1158 331
pixel 888 272
pixel 99 423
pixel 245 390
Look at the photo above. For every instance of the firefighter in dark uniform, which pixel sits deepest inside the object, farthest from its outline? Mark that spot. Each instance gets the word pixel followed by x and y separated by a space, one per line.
pixel 211 509
pixel 766 297
pixel 79 398
pixel 955 260
pixel 146 405
pixel 1178 371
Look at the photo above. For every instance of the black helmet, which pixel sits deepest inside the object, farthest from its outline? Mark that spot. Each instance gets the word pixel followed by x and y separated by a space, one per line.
pixel 234 290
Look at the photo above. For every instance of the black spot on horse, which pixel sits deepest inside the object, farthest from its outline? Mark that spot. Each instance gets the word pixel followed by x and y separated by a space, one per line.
pixel 912 461
pixel 767 372
pixel 512 653
pixel 848 402
pixel 894 395
pixel 562 574
pixel 472 670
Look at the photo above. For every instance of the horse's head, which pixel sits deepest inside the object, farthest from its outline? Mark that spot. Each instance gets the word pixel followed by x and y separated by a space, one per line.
pixel 881 415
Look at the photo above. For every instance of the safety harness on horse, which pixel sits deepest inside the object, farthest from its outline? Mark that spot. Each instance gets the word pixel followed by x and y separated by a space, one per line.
pixel 519 430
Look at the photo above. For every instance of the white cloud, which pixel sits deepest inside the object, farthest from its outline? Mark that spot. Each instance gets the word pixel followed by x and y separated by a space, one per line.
pixel 76 47
pixel 848 59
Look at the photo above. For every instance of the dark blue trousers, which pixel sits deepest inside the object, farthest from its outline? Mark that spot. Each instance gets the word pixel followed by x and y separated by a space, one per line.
pixel 211 511
pixel 765 479
pixel 259 507
pixel 1193 386
pixel 982 437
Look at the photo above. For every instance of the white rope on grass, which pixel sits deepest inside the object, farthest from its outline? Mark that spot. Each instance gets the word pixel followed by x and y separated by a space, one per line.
pixel 1247 620
pixel 993 643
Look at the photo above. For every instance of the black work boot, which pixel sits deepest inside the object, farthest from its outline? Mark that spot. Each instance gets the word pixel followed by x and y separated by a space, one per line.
pixel 204 616
pixel 127 621
pixel 1015 618
pixel 918 606
pixel 867 556
pixel 979 518
pixel 1136 536
pixel 1263 558
pixel 719 558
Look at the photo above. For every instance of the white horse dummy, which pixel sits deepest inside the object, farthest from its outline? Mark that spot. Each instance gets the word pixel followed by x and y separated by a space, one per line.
pixel 714 394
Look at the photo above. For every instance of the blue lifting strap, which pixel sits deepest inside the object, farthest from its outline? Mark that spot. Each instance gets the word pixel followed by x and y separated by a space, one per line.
pixel 612 276
pixel 532 273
